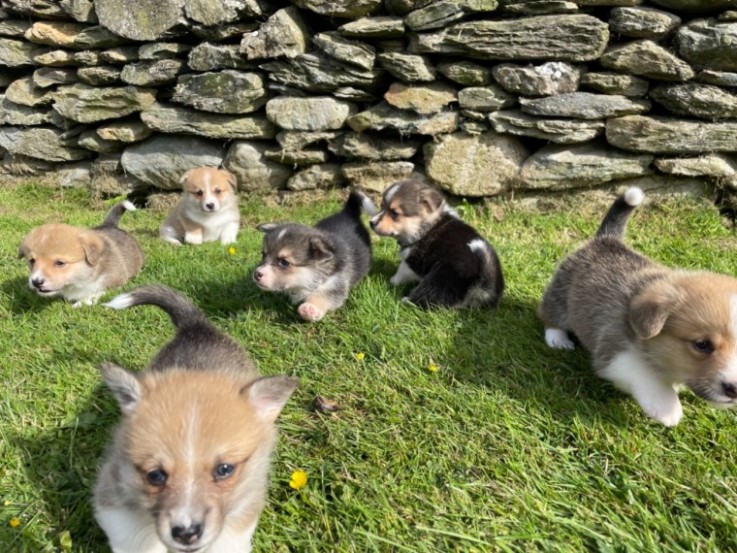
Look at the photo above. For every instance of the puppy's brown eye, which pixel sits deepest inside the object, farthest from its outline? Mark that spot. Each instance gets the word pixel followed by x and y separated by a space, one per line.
pixel 31 261
pixel 157 477
pixel 59 263
pixel 282 262
pixel 703 346
pixel 199 193
pixel 394 214
pixel 223 471
pixel 217 191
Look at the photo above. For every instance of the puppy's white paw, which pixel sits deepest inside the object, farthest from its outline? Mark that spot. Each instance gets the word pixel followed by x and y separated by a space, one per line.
pixel 666 409
pixel 310 312
pixel 406 300
pixel 558 338
pixel 396 280
pixel 195 239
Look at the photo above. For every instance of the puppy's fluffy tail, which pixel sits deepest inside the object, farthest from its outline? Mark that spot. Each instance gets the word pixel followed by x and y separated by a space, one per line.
pixel 358 202
pixel 615 220
pixel 114 215
pixel 183 313
pixel 491 283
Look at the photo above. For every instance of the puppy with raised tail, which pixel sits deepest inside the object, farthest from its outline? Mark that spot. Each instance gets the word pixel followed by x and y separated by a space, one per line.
pixel 317 266
pixel 188 466
pixel 452 263
pixel 649 329
pixel 207 210
pixel 80 264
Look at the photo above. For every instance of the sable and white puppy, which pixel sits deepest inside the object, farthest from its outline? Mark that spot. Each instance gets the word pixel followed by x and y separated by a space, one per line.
pixel 188 466
pixel 207 211
pixel 80 264
pixel 454 264
pixel 649 329
pixel 317 265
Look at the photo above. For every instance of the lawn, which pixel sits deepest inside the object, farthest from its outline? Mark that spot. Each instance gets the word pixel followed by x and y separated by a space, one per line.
pixel 506 446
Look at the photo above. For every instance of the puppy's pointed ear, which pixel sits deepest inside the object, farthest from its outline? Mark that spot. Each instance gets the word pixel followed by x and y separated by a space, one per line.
pixel 267 227
pixel 431 199
pixel 124 386
pixel 185 176
pixel 269 394
pixel 93 247
pixel 321 248
pixel 650 309
pixel 232 179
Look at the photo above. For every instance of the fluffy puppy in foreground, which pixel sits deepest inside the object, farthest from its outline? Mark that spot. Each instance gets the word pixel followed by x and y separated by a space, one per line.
pixel 318 265
pixel 454 264
pixel 207 211
pixel 80 264
pixel 188 466
pixel 649 329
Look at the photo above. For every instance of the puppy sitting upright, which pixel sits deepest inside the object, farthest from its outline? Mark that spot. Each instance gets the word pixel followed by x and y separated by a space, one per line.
pixel 649 329
pixel 317 265
pixel 80 264
pixel 454 265
pixel 207 211
pixel 188 467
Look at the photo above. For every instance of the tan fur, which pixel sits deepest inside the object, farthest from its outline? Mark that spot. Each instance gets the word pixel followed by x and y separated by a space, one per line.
pixel 207 211
pixel 79 264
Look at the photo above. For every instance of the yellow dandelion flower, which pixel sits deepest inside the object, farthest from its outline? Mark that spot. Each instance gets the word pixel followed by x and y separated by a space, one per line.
pixel 298 480
pixel 360 355
pixel 432 367
pixel 231 250
pixel 14 522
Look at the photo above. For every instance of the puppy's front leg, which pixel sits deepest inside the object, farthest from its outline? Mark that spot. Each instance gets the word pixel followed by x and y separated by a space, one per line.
pixel 557 338
pixel 658 398
pixel 403 275
pixel 314 307
pixel 229 233
pixel 193 236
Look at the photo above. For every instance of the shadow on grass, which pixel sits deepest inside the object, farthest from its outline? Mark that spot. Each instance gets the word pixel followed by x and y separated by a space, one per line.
pixel 21 299
pixel 62 463
pixel 505 349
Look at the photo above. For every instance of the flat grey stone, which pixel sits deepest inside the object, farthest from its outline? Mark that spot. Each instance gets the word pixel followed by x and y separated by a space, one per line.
pixel 255 173
pixel 423 99
pixel 210 57
pixel 485 98
pixel 14 28
pixel 541 7
pixel 317 74
pixel 17 53
pixel 548 79
pixel 564 167
pixel 474 165
pixel 72 35
pixel 466 73
pixel 139 19
pixel 90 140
pixel 80 10
pixel 718 78
pixel 641 22
pixel 443 12
pixel 56 58
pixel 386 26
pixel 409 68
pixel 347 9
pixel 583 105
pixel 102 75
pixel 668 135
pixel 162 51
pixel 697 100
pixel 227 91
pixel 322 176
pixel 346 51
pixel 382 116
pixel 297 140
pixel 373 147
pixel 20 115
pixel 23 91
pixel 709 165
pixel 297 158
pixel 376 177
pixel 152 73
pixel 283 34
pixel 559 131
pixel 87 104
pixel 318 113
pixel 648 59
pixel 122 55
pixel 615 83
pixel 46 143
pixel 124 131
pixel 212 13
pixel 45 77
pixel 708 44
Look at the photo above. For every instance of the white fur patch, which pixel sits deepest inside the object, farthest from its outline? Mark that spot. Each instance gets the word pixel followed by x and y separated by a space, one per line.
pixel 634 196
pixel 557 338
pixel 477 245
pixel 629 372
pixel 129 206
pixel 389 192
pixel 403 274
pixel 281 234
pixel 120 302
pixel 368 206
pixel 129 531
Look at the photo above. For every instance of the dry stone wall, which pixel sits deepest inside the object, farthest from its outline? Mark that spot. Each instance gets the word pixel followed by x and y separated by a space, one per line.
pixel 482 97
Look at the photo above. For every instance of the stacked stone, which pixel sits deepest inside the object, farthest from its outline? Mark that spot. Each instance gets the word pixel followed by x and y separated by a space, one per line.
pixel 479 96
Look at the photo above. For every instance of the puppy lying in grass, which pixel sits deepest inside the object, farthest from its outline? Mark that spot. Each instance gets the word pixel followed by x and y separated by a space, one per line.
pixel 649 329
pixel 188 466
pixel 207 211
pixel 80 264
pixel 452 263
pixel 317 266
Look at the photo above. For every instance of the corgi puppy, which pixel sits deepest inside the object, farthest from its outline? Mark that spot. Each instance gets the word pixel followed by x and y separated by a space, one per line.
pixel 649 329
pixel 207 211
pixel 187 469
pixel 80 264
pixel 454 265
pixel 317 266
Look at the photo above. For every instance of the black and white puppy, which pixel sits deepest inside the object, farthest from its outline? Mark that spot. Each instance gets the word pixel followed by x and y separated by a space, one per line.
pixel 454 264
pixel 649 328
pixel 317 266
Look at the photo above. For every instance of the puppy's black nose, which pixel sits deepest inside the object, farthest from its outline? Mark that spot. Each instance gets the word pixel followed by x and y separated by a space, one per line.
pixel 729 389
pixel 210 206
pixel 187 534
pixel 257 275
pixel 37 282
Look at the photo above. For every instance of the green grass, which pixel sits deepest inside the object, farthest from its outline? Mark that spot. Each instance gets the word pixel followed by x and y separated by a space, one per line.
pixel 507 447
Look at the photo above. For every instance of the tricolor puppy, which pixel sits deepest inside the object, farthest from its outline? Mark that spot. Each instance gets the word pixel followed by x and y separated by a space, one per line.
pixel 649 329
pixel 187 469
pixel 317 266
pixel 454 264
pixel 80 264
pixel 207 211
